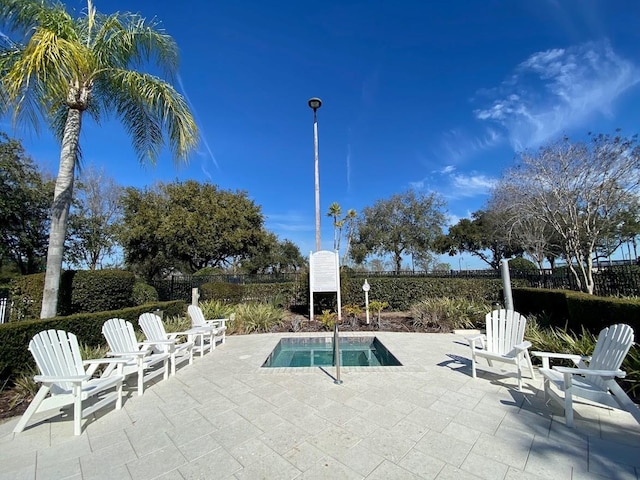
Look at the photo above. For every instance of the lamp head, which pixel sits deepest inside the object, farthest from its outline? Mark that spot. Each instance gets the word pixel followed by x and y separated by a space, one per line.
pixel 315 103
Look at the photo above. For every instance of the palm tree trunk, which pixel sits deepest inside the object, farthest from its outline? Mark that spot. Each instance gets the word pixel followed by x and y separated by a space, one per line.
pixel 62 197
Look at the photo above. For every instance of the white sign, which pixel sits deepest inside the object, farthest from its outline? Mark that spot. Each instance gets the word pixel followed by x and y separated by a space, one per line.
pixel 324 276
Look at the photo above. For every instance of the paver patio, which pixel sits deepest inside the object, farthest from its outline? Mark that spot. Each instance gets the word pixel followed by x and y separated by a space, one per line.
pixel 225 417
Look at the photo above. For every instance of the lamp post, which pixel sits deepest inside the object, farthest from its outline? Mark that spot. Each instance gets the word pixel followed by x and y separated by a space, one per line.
pixel 365 288
pixel 315 104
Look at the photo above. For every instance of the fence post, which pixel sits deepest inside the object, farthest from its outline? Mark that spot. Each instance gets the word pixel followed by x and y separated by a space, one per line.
pixel 194 296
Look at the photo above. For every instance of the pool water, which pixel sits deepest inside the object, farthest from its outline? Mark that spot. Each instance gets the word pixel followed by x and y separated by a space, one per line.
pixel 318 352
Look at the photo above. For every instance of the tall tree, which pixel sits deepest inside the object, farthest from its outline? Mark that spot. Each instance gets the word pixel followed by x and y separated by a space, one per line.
pixel 483 236
pixel 580 189
pixel 335 212
pixel 405 223
pixel 189 226
pixel 67 67
pixel 93 219
pixel 25 201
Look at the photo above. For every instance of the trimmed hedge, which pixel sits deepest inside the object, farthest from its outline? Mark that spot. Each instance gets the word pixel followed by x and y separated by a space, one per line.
pixel 15 336
pixel 80 291
pixel 225 292
pixel 402 292
pixel 574 310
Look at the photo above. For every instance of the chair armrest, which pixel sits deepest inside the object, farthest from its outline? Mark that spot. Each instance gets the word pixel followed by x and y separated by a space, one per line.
pixel 586 371
pixel 217 322
pixel 159 342
pixel 566 356
pixel 521 347
pixel 476 338
pixel 52 379
pixel 137 353
pixel 97 361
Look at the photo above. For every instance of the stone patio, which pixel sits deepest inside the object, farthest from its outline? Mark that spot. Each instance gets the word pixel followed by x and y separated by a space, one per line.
pixel 224 417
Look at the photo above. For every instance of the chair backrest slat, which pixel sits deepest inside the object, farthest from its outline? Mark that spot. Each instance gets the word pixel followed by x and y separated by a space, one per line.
pixel 120 335
pixel 611 348
pixel 504 329
pixel 152 326
pixel 57 353
pixel 197 317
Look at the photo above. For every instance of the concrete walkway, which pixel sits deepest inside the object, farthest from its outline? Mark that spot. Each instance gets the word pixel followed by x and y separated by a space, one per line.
pixel 224 417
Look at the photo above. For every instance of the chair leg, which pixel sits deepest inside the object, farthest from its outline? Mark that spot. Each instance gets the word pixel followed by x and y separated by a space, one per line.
pixel 519 373
pixel 77 410
pixel 528 357
pixel 119 393
pixel 568 400
pixel 473 363
pixel 33 408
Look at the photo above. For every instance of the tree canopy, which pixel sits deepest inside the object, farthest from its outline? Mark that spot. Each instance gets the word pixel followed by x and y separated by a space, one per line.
pixel 188 226
pixel 25 205
pixel 406 223
pixel 483 236
pixel 582 191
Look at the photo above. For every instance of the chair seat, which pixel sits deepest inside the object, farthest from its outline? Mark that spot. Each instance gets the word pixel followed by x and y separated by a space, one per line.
pixel 577 381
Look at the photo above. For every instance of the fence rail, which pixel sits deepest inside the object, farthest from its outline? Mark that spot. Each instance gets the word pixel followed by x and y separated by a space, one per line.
pixel 613 281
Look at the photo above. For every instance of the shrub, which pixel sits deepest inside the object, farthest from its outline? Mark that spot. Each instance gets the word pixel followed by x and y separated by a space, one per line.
pixel 446 314
pixel 256 318
pixel 520 264
pixel 352 312
pixel 143 293
pixel 216 309
pixel 377 306
pixel 226 292
pixel 26 297
pixel 328 319
pixel 95 291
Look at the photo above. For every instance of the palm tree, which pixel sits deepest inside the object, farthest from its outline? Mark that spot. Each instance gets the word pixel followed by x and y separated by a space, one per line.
pixel 68 66
pixel 350 220
pixel 335 211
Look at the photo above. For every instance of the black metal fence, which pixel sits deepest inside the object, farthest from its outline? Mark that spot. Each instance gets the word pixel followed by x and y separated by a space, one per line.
pixel 614 281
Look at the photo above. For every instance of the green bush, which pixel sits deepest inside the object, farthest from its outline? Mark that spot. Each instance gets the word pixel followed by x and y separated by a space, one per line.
pixel 26 297
pixel 520 264
pixel 576 310
pixel 446 314
pixel 15 336
pixel 226 292
pixel 402 292
pixel 95 291
pixel 143 293
pixel 256 318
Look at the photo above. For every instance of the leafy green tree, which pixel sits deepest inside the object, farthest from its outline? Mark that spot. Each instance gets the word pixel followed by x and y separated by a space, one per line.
pixel 93 220
pixel 483 236
pixel 25 202
pixel 71 66
pixel 403 224
pixel 188 226
pixel 275 256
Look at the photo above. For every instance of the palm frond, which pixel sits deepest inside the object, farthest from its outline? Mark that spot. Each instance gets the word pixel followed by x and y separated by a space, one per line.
pixel 147 105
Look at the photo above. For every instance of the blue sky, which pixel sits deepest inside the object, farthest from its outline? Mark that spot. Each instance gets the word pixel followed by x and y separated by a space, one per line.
pixel 437 96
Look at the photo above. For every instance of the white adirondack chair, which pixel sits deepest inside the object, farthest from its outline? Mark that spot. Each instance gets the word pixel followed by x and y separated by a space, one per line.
pixel 142 359
pixel 503 342
pixel 65 381
pixel 595 376
pixel 153 328
pixel 217 326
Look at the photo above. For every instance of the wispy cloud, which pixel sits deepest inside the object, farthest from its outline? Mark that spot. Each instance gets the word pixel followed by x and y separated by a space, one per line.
pixel 556 90
pixel 458 145
pixel 203 135
pixel 289 222
pixel 454 185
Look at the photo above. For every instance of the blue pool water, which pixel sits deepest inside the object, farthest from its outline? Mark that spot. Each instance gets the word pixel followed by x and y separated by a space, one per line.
pixel 318 352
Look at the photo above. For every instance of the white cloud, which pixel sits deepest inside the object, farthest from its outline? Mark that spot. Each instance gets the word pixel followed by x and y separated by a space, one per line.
pixel 556 90
pixel 471 185
pixel 454 185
